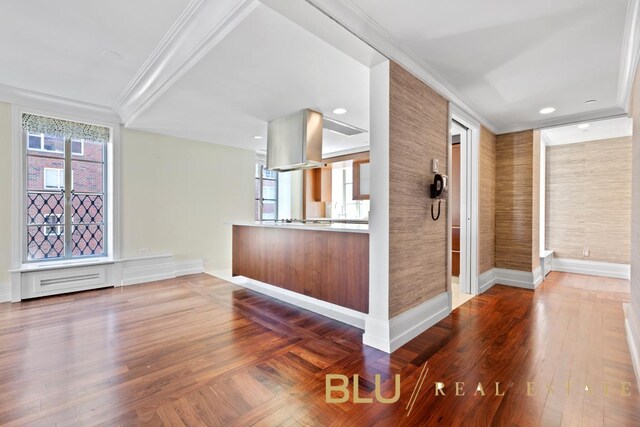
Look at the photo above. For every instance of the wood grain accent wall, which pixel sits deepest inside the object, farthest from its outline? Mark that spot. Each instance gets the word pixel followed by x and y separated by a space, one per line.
pixel 635 201
pixel 418 132
pixel 487 201
pixel 578 214
pixel 515 202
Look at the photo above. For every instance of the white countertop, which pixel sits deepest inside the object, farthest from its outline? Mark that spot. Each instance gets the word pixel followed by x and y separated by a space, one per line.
pixel 340 227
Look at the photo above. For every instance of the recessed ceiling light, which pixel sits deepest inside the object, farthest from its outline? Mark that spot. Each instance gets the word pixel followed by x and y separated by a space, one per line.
pixel 257 137
pixel 340 111
pixel 590 101
pixel 583 126
pixel 547 110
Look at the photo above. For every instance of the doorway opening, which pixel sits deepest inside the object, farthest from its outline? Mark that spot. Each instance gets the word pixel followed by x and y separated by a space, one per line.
pixel 463 199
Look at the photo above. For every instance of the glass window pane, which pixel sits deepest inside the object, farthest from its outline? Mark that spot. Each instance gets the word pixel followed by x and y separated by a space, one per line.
pixel 269 210
pixel 87 240
pixel 42 206
pixel 36 172
pixel 88 150
pixel 270 189
pixel 88 177
pixel 44 244
pixel 266 173
pixel 87 209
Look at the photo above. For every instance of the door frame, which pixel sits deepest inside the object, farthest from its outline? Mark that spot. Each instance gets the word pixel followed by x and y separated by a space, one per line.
pixel 469 167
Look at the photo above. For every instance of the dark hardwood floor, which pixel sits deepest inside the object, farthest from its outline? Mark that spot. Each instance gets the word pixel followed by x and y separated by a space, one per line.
pixel 200 351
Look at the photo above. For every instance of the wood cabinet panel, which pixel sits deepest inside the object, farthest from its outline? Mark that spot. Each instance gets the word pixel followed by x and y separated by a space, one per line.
pixel 455 238
pixel 455 263
pixel 329 266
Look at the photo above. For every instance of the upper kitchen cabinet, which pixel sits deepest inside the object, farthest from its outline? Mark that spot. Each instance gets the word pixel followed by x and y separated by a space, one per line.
pixel 361 180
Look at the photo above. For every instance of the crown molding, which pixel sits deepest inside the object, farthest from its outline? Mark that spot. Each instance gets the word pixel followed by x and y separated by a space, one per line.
pixel 201 26
pixel 352 18
pixel 42 101
pixel 629 56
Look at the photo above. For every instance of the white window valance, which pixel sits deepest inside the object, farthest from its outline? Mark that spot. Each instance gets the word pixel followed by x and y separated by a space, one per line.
pixel 64 128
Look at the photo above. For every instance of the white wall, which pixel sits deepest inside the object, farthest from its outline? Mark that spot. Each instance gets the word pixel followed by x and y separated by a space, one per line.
pixel 377 332
pixel 178 195
pixel 5 199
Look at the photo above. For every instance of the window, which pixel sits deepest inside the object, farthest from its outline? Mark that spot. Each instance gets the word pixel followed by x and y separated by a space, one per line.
pixel 56 230
pixel 65 213
pixel 53 144
pixel 54 179
pixel 266 191
pixel 343 206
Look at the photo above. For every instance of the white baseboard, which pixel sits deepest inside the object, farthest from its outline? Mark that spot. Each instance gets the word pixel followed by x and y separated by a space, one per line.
pixel 5 292
pixel 135 271
pixel 518 279
pixel 411 323
pixel 486 280
pixel 377 333
pixel 184 267
pixel 632 327
pixel 591 268
pixel 333 311
pixel 389 335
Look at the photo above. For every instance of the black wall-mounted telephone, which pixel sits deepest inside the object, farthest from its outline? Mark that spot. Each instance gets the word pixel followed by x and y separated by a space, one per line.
pixel 438 191
pixel 439 187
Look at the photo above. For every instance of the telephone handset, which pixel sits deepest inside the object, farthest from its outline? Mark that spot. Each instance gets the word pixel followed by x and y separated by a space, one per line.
pixel 438 191
pixel 439 187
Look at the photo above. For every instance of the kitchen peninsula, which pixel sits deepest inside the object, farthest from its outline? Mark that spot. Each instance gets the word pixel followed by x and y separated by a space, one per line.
pixel 325 261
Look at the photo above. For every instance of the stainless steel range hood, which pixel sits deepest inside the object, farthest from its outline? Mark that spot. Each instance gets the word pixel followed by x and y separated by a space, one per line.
pixel 295 141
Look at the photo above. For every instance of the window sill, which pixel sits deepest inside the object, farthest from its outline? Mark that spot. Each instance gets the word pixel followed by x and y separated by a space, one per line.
pixel 56 265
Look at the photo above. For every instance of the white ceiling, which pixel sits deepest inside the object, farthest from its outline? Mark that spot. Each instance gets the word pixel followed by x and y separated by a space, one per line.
pixel 504 59
pixel 507 59
pixel 77 49
pixel 597 130
pixel 266 67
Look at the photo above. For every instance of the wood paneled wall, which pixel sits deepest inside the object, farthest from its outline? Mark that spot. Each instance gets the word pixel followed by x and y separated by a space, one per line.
pixel 487 201
pixel 418 132
pixel 587 200
pixel 516 204
pixel 635 203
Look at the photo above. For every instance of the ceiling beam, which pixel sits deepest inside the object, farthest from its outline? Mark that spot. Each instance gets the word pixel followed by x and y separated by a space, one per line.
pixel 200 27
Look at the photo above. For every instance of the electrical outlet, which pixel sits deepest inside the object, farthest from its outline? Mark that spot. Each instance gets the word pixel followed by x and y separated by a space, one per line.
pixel 586 252
pixel 143 251
pixel 435 166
